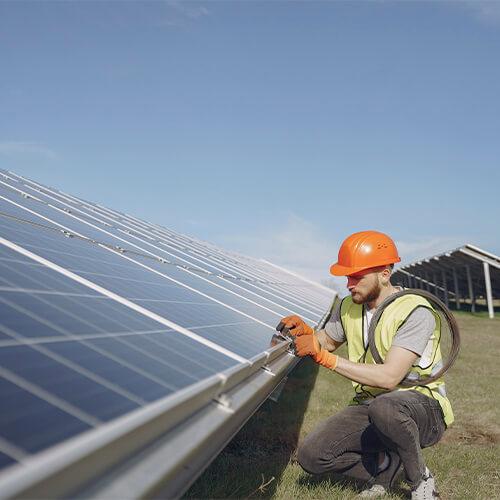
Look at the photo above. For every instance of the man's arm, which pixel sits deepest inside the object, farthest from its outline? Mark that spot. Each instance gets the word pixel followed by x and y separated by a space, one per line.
pixel 387 376
pixel 398 361
pixel 326 341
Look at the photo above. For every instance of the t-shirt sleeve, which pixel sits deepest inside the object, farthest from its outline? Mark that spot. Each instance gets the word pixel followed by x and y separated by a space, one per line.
pixel 334 328
pixel 415 332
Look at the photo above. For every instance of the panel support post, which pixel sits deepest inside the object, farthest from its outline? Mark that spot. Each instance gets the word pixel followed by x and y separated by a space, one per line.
pixel 445 288
pixel 434 278
pixel 489 295
pixel 471 290
pixel 457 291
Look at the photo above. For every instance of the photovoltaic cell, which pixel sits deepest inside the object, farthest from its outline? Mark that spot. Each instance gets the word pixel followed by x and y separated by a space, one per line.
pixel 32 423
pixel 78 390
pixel 111 367
pixel 6 460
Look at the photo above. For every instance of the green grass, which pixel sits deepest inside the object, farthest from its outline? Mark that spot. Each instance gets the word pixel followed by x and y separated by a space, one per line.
pixel 466 462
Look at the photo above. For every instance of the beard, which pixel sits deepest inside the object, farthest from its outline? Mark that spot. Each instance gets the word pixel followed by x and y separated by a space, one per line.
pixel 368 296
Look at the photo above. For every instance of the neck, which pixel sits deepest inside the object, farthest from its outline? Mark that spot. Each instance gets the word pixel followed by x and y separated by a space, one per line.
pixel 384 293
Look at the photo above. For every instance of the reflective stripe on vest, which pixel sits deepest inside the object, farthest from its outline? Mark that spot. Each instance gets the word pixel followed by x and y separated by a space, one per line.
pixel 394 315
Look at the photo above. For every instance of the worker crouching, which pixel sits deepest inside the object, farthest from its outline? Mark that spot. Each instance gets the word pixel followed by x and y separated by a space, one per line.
pixel 386 424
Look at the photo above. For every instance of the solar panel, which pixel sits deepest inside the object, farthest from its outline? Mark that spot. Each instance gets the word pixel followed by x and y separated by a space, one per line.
pixel 107 320
pixel 110 236
pixel 60 338
pixel 126 223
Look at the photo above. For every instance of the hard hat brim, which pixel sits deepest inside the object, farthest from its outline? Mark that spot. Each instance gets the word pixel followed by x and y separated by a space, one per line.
pixel 339 270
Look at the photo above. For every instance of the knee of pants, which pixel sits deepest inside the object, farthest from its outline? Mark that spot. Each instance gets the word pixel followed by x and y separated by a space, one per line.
pixel 384 413
pixel 308 457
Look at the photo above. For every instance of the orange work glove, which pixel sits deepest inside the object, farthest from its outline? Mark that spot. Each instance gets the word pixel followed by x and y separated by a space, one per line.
pixel 296 325
pixel 308 344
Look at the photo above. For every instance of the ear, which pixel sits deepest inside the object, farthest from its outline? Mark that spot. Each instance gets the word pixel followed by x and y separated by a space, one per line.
pixel 385 275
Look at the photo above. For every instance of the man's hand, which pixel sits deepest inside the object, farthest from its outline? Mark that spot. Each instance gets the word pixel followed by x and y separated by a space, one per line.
pixel 296 325
pixel 309 345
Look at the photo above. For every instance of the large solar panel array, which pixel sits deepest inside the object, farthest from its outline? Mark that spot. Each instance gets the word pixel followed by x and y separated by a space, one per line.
pixel 464 273
pixel 102 315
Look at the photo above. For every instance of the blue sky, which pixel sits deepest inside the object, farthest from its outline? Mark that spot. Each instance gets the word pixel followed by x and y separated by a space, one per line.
pixel 273 128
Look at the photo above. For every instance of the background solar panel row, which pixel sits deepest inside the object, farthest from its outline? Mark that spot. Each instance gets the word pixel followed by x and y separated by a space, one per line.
pixel 102 314
pixel 192 254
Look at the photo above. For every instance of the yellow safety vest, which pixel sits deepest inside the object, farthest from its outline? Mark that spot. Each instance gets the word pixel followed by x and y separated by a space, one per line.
pixel 394 315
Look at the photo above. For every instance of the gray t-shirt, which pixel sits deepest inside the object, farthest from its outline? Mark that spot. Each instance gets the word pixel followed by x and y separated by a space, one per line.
pixel 414 334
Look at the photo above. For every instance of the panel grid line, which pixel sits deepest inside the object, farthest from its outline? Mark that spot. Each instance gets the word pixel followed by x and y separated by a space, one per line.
pixel 49 398
pixel 75 367
pixel 12 450
pixel 91 336
pixel 91 325
pixel 89 345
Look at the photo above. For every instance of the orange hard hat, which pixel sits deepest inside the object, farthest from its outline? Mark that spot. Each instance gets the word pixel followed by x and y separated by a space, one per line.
pixel 364 250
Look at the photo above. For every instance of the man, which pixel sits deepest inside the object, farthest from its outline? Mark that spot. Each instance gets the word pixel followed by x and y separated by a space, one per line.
pixel 385 425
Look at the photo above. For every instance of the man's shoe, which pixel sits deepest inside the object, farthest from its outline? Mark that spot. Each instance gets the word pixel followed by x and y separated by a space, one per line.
pixel 386 477
pixel 426 490
pixel 376 491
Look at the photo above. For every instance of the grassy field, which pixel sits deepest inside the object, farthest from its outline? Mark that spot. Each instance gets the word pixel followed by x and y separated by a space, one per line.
pixel 260 462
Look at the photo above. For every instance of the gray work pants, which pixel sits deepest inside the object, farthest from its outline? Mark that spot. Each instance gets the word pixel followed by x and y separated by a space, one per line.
pixel 349 442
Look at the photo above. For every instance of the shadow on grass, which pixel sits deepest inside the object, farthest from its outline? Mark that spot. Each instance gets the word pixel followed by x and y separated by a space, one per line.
pixel 263 447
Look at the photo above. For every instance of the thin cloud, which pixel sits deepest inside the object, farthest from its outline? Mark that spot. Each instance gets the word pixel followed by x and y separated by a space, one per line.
pixel 12 148
pixel 188 9
pixel 295 244
pixel 485 11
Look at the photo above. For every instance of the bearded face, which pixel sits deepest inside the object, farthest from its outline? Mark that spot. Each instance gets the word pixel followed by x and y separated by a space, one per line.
pixel 364 287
